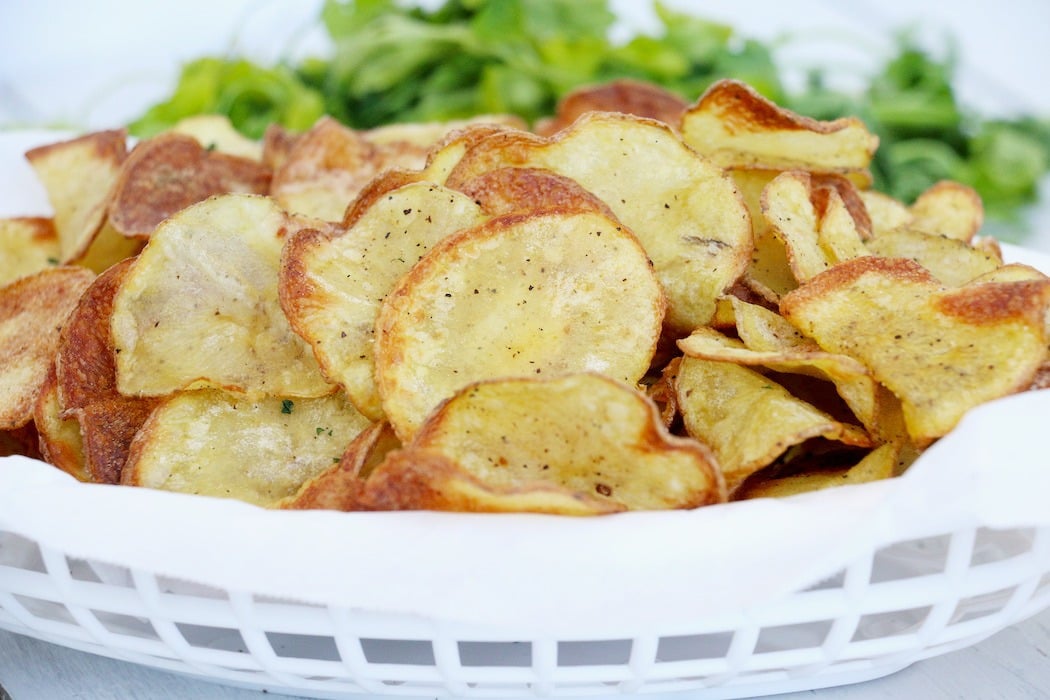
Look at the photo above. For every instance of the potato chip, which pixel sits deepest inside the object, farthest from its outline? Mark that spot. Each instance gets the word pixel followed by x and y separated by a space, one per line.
pixel 215 444
pixel 332 285
pixel 168 173
pixel 86 378
pixel 686 212
pixel 78 176
pixel 878 464
pixel 200 307
pixel 340 486
pixel 596 447
pixel 885 212
pixel 549 293
pixel 941 351
pixel 32 312
pixel 734 126
pixel 277 143
pixel 763 330
pixel 27 245
pixel 952 261
pixel 949 209
pixel 746 418
pixel 215 132
pixel 625 95
pixel 853 382
pixel 59 438
pixel 511 190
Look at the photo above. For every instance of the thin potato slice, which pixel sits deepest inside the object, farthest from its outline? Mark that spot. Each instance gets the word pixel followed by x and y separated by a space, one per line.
pixel 768 273
pixel 686 212
pixel 33 310
pixel 885 212
pixel 626 96
pixel 940 351
pixel 215 444
pixel 551 293
pixel 168 173
pixel 340 486
pixel 949 209
pixel 852 380
pixel 200 307
pixel 332 285
pixel 78 176
pixel 878 464
pixel 27 244
pixel 59 438
pixel 735 126
pixel 511 190
pixel 952 261
pixel 748 419
pixel 215 132
pixel 596 446
pixel 763 330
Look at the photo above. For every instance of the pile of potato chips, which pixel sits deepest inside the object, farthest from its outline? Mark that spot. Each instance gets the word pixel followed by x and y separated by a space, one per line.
pixel 639 304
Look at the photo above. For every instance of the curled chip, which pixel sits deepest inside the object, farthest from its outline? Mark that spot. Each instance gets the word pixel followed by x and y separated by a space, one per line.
pixel 952 261
pixel 686 212
pixel 86 381
pixel 172 171
pixel 59 438
pixel 880 463
pixel 949 209
pixel 199 307
pixel 852 380
pixel 512 190
pixel 596 447
pixel 747 418
pixel 332 285
pixel 550 293
pixel 626 96
pixel 215 444
pixel 942 352
pixel 33 310
pixel 79 176
pixel 27 245
pixel 733 125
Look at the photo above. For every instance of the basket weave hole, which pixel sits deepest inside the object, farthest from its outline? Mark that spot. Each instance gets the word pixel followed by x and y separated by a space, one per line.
pixel 693 646
pixel 890 624
pixel 512 654
pixel 126 625
pixel 982 605
pixel 925 556
pixel 45 609
pixel 802 635
pixel 406 652
pixel 991 546
pixel 600 652
pixel 20 552
pixel 303 646
pixel 207 637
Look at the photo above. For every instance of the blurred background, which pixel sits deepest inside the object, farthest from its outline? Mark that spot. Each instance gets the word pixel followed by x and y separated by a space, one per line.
pixel 76 65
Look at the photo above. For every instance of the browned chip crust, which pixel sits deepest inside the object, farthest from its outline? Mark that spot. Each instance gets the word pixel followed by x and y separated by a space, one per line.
pixel 172 171
pixel 514 190
pixel 625 95
pixel 33 310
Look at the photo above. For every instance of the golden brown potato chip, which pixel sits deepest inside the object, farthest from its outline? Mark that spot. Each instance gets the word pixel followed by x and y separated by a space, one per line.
pixel 215 444
pixel 626 96
pixel 277 143
pixel 940 351
pixel 733 125
pixel 596 447
pixel 215 132
pixel 59 438
pixel 168 173
pixel 852 380
pixel 199 307
pixel 949 209
pixel 27 244
pixel 686 212
pixel 952 261
pixel 332 285
pixel 339 487
pixel 748 419
pixel 511 190
pixel 79 175
pixel 550 293
pixel 86 377
pixel 764 330
pixel 878 464
pixel 33 310
pixel 885 212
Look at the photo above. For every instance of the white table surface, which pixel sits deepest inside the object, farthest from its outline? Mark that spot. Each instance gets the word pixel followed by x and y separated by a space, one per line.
pixel 94 65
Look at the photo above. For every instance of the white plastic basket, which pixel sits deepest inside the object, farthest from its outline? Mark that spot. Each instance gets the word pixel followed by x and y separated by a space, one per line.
pixel 899 603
